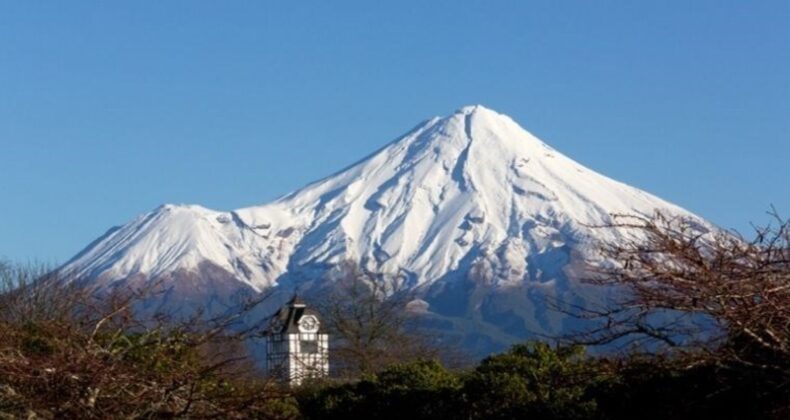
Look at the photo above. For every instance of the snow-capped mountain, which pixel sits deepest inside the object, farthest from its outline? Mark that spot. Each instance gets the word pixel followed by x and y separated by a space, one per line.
pixel 470 192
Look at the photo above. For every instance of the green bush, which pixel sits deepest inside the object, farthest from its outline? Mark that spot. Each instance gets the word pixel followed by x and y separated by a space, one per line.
pixel 417 390
pixel 533 381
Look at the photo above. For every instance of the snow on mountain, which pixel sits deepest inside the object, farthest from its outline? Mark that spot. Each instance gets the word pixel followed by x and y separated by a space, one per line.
pixel 472 189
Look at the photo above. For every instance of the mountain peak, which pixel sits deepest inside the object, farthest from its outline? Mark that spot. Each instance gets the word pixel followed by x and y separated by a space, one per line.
pixel 470 109
pixel 478 111
pixel 483 133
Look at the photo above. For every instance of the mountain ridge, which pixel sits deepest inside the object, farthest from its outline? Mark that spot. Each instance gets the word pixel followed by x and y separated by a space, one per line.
pixel 470 190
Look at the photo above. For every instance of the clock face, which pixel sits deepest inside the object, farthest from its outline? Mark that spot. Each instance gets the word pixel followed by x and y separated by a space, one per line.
pixel 308 323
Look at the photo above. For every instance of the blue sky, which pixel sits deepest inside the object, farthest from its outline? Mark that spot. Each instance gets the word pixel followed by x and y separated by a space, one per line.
pixel 108 109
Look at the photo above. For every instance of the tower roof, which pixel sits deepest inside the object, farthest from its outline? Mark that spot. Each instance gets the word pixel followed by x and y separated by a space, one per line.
pixel 286 319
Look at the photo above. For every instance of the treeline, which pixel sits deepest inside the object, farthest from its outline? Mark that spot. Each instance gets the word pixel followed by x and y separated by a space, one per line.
pixel 537 381
pixel 704 318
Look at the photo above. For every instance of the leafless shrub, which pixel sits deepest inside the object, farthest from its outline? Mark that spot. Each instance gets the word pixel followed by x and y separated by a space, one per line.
pixel 71 352
pixel 713 295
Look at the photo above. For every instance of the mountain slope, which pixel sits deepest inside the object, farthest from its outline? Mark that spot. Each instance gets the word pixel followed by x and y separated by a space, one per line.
pixel 469 193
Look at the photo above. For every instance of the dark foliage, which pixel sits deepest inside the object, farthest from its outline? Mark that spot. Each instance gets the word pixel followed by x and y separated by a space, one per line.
pixel 536 381
pixel 417 390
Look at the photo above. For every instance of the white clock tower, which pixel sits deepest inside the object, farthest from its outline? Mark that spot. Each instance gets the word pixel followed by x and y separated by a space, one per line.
pixel 296 347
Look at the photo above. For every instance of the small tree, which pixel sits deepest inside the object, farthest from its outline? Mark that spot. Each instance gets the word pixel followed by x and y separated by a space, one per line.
pixel 368 323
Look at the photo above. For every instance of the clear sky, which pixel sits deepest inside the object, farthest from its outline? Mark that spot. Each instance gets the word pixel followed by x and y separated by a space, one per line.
pixel 108 109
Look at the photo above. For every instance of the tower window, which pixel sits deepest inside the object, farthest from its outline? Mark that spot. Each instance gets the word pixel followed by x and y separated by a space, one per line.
pixel 308 346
